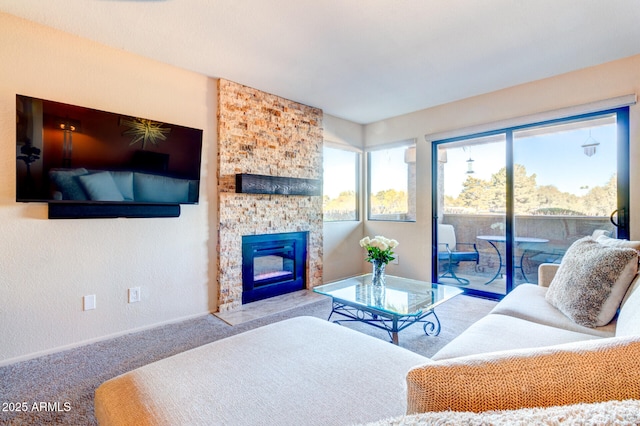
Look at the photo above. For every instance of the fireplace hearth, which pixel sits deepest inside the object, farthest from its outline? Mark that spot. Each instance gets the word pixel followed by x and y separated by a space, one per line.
pixel 273 264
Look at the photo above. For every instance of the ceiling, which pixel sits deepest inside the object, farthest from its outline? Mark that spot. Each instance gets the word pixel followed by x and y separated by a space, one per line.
pixel 361 60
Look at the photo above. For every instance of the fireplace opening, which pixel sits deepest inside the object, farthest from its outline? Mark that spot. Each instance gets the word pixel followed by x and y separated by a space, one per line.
pixel 273 267
pixel 273 264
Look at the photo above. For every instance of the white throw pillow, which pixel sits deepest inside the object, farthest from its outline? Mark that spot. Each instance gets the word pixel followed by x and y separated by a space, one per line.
pixel 614 242
pixel 592 280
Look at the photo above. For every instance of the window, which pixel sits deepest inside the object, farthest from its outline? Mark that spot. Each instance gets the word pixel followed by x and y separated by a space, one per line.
pixel 340 184
pixel 392 183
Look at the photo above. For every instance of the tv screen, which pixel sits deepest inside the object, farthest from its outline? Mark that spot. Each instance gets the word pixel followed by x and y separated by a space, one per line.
pixel 71 153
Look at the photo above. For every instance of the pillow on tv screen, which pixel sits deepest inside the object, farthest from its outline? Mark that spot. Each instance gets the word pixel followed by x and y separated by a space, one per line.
pixel 124 182
pixel 66 181
pixel 101 187
pixel 160 189
pixel 591 281
pixel 194 188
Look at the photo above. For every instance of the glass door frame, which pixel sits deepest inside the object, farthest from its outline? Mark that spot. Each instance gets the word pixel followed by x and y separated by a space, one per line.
pixel 623 187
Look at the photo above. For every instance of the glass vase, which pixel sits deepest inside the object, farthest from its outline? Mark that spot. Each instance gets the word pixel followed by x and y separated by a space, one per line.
pixel 378 276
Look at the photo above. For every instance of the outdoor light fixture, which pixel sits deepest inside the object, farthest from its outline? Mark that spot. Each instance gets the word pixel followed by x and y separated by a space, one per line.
pixel 469 161
pixel 589 146
pixel 470 166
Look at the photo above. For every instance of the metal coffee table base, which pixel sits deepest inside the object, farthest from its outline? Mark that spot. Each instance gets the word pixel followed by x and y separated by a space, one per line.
pixel 392 324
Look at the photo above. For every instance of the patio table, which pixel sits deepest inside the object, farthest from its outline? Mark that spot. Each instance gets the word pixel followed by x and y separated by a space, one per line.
pixel 493 239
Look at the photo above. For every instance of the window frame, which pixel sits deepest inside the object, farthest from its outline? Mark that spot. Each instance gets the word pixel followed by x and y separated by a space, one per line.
pixel 358 174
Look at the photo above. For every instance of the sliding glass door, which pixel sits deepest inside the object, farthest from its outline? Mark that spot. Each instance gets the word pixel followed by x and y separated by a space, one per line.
pixel 471 201
pixel 506 201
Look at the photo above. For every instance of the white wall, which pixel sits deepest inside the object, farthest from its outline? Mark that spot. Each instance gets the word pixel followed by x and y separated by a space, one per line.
pixel 589 85
pixel 342 255
pixel 47 266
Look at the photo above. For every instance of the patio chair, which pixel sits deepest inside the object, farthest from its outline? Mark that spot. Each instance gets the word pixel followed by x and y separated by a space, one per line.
pixel 448 252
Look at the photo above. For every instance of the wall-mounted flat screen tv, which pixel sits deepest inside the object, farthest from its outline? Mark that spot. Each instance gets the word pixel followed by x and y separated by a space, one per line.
pixel 68 153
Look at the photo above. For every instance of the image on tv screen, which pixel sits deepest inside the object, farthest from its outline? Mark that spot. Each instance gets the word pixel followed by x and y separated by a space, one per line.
pixel 71 153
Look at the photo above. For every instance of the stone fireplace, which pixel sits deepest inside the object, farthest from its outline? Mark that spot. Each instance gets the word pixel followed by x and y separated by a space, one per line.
pixel 263 134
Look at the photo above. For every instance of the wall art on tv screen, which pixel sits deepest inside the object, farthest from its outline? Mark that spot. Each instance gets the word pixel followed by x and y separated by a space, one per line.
pixel 71 153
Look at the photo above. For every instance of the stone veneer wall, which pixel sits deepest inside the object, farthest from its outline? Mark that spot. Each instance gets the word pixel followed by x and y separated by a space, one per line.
pixel 264 134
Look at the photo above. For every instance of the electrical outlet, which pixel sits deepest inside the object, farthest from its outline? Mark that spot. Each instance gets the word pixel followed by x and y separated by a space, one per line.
pixel 89 302
pixel 134 294
pixel 396 261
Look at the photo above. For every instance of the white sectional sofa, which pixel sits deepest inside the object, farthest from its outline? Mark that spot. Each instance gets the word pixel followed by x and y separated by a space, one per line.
pixel 526 353
pixel 301 371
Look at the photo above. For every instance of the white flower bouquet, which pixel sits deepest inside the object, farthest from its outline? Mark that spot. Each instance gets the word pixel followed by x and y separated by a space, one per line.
pixel 379 248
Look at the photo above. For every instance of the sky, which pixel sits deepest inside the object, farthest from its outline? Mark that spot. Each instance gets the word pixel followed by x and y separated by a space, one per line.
pixel 556 159
pixel 339 173
pixel 390 169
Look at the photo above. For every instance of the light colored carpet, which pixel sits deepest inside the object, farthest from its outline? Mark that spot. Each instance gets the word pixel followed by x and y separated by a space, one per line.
pixel 67 380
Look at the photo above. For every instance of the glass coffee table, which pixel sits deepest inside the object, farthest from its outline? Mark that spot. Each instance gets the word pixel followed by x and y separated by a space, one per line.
pixel 393 307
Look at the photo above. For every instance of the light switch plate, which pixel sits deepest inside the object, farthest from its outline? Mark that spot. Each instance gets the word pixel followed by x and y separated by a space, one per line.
pixel 134 294
pixel 89 302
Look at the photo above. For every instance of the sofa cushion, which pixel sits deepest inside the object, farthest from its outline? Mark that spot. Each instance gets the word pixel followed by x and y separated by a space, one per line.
pixel 66 181
pixel 628 323
pixel 527 301
pixel 591 281
pixel 298 371
pixel 546 272
pixel 124 182
pixel 586 371
pixel 100 187
pixel 160 189
pixel 496 332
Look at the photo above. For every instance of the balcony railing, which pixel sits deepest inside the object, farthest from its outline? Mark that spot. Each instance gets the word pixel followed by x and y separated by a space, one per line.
pixel 559 231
